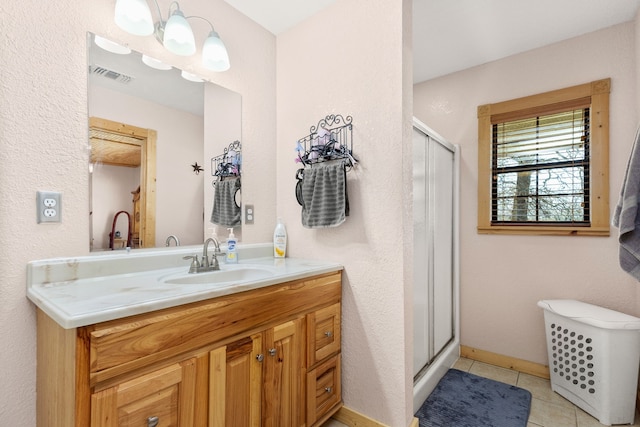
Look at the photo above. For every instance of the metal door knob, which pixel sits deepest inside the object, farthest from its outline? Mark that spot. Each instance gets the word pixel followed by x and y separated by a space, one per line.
pixel 272 352
pixel 152 421
pixel 260 357
pixel 329 334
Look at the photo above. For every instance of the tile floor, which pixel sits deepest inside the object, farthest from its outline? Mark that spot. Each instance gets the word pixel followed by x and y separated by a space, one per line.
pixel 548 409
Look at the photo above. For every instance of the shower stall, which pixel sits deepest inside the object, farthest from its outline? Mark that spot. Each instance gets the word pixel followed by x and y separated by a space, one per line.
pixel 436 335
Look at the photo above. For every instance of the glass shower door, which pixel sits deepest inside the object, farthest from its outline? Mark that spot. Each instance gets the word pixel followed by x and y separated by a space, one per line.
pixel 433 210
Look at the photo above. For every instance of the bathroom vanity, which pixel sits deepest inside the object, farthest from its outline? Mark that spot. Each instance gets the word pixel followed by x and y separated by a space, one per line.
pixel 146 346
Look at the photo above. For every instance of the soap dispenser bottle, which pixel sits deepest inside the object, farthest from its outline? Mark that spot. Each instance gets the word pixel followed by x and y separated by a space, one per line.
pixel 279 240
pixel 232 251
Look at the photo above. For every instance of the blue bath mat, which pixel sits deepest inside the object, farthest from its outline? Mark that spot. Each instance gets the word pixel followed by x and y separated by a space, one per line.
pixel 462 399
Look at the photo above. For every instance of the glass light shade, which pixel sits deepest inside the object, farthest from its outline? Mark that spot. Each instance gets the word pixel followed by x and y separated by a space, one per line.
pixel 155 63
pixel 110 46
pixel 214 53
pixel 178 36
pixel 191 77
pixel 134 17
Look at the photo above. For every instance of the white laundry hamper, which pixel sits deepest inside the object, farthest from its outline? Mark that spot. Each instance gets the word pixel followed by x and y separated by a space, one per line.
pixel 594 355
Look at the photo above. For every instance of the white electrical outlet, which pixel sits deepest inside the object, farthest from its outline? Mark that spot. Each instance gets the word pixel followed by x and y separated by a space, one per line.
pixel 48 206
pixel 50 202
pixel 249 214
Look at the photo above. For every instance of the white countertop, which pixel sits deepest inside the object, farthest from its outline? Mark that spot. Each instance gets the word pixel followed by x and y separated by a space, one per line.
pixel 84 290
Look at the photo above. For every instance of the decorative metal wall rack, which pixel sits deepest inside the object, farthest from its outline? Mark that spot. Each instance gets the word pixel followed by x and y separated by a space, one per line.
pixel 228 164
pixel 330 139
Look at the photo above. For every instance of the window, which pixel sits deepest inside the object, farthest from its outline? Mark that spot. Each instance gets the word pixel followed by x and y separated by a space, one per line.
pixel 543 163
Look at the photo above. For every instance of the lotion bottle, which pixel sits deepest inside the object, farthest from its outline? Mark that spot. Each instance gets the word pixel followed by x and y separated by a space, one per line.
pixel 232 252
pixel 280 240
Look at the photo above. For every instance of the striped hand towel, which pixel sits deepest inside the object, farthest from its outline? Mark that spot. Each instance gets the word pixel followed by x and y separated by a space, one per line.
pixel 324 195
pixel 225 210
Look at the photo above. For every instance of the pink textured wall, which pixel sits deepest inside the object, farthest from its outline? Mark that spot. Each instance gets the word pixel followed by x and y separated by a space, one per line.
pixel 348 60
pixel 503 277
pixel 43 137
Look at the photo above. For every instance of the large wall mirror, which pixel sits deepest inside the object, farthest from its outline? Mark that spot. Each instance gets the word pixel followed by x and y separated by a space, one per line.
pixel 153 134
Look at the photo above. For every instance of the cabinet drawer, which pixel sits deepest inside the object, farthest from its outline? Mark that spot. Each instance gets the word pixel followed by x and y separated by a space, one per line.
pixel 166 395
pixel 129 343
pixel 324 393
pixel 323 333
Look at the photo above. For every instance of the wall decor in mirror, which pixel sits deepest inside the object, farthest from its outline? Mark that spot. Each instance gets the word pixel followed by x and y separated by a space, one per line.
pixel 149 124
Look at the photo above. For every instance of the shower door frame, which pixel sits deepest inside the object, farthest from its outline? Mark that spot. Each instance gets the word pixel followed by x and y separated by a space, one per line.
pixel 443 357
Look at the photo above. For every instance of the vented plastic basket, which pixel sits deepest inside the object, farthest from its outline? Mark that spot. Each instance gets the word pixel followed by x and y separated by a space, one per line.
pixel 594 355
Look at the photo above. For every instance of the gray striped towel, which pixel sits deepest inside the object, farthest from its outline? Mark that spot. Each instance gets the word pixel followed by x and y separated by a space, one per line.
pixel 323 194
pixel 225 210
pixel 625 215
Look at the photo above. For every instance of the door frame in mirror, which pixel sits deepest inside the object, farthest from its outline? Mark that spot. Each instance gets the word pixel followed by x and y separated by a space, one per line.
pixel 147 138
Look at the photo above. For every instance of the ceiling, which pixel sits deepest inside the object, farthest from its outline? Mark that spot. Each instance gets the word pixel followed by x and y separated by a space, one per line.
pixel 448 36
pixel 278 16
pixel 453 35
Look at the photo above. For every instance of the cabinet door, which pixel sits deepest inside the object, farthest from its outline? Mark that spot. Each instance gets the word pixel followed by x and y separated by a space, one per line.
pixel 235 383
pixel 164 398
pixel 283 394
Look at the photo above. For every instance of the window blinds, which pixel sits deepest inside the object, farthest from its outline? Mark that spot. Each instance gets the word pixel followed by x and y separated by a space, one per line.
pixel 540 168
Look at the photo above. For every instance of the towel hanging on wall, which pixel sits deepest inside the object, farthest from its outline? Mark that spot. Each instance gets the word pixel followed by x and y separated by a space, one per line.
pixel 226 212
pixel 625 215
pixel 322 192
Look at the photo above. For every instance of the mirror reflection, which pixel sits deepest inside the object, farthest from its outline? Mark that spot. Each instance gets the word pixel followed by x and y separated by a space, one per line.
pixel 154 134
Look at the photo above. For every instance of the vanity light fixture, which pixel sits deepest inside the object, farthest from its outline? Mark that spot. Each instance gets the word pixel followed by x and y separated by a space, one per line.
pixel 175 34
pixel 191 77
pixel 134 17
pixel 155 63
pixel 110 46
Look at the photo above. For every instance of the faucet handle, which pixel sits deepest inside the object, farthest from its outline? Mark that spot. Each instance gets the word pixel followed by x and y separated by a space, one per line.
pixel 195 264
pixel 215 265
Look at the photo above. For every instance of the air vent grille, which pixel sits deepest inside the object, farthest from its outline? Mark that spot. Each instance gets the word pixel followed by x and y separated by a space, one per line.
pixel 110 74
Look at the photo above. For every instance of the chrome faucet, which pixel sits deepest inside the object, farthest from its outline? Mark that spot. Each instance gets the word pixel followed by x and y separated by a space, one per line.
pixel 205 257
pixel 174 238
pixel 205 265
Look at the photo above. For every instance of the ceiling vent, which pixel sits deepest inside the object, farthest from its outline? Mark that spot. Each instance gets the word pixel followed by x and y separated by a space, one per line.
pixel 110 74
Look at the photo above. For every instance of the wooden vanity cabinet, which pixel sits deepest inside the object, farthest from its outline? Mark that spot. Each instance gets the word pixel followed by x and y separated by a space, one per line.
pixel 265 357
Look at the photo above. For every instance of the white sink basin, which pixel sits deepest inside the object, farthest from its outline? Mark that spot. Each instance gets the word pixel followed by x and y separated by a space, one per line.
pixel 235 275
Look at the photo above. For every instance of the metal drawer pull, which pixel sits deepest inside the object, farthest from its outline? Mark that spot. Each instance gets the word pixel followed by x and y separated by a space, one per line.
pixel 260 357
pixel 152 421
pixel 328 389
pixel 272 352
pixel 328 334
